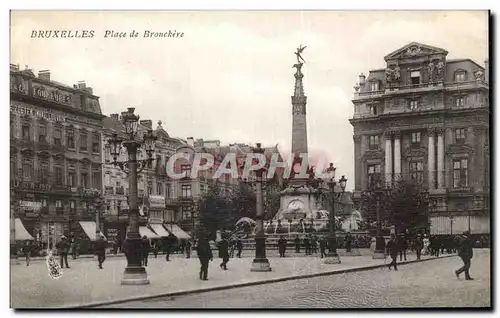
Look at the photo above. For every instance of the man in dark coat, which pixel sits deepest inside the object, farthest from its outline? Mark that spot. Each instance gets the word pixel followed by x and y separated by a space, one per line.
pixel 100 250
pixel 27 250
pixel 322 246
pixel 63 248
pixel 169 242
pixel 307 245
pixel 297 244
pixel 393 249
pixel 146 247
pixel 239 246
pixel 348 242
pixel 282 246
pixel 419 245
pixel 188 249
pixel 204 254
pixel 465 252
pixel 224 253
pixel 402 245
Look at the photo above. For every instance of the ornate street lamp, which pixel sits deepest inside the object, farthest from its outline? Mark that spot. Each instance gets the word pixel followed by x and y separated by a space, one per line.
pixel 379 192
pixel 332 257
pixel 260 262
pixel 135 273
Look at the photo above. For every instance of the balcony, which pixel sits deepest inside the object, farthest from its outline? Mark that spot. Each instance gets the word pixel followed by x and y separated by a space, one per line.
pixel 120 190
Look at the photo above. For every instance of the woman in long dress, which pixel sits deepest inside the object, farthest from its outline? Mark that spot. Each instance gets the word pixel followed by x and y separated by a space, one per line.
pixel 425 250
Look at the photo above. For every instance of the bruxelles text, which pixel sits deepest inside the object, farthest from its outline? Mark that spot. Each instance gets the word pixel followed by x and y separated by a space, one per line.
pixel 240 168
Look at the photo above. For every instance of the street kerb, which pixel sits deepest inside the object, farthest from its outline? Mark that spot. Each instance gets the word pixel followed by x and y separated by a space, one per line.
pixel 239 285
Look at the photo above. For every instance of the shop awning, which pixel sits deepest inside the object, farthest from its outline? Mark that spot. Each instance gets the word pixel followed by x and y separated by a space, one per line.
pixel 89 227
pixel 145 231
pixel 21 232
pixel 160 230
pixel 177 231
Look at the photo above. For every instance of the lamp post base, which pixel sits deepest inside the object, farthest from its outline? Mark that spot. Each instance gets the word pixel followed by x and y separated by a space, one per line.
pixel 378 254
pixel 135 275
pixel 332 258
pixel 261 265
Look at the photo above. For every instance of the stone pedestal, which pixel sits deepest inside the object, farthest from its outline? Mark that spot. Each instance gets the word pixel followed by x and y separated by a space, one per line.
pixel 260 262
pixel 135 276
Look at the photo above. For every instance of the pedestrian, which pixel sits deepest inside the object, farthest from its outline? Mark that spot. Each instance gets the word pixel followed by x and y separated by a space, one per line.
pixel 427 243
pixel 74 248
pixel 188 249
pixel 100 250
pixel 307 245
pixel 168 248
pixel 204 255
pixel 465 252
pixel 239 246
pixel 27 250
pixel 418 245
pixel 224 253
pixel 155 249
pixel 145 248
pixel 282 246
pixel 401 241
pixel 393 249
pixel 297 244
pixel 322 246
pixel 115 246
pixel 314 244
pixel 348 242
pixel 63 248
pixel 232 247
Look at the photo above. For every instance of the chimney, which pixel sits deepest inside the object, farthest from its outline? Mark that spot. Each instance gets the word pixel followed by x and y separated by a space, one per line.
pixel 89 90
pixel 14 67
pixel 362 79
pixel 147 122
pixel 82 85
pixel 44 75
pixel 487 71
pixel 114 116
pixel 190 141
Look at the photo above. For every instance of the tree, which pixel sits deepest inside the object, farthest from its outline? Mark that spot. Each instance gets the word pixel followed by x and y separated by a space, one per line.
pixel 214 209
pixel 403 206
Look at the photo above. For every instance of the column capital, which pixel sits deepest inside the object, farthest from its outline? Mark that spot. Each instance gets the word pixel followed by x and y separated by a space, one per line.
pixel 388 134
pixel 356 138
pixel 439 131
pixel 397 134
pixel 431 131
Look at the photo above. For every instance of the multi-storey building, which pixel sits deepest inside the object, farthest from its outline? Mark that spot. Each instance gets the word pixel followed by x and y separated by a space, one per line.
pixel 187 191
pixel 153 187
pixel 425 117
pixel 55 154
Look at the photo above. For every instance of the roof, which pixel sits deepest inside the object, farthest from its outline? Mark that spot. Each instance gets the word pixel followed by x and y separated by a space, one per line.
pixel 422 49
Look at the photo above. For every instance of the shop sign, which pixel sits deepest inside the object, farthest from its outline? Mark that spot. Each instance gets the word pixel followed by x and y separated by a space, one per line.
pixel 52 94
pixel 35 186
pixel 31 111
pixel 112 234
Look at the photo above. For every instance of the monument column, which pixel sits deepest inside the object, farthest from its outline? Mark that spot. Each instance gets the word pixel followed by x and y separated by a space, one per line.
pixel 388 158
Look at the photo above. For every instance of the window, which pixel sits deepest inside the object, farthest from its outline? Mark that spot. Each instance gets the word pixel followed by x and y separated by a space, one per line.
pixel 159 189
pixel 373 110
pixel 44 172
pixel 374 86
pixel 42 134
pixel 373 142
pixel 413 104
pixel 58 171
pixel 150 187
pixel 373 173
pixel 460 101
pixel 415 77
pixel 185 169
pixel 70 138
pixel 186 191
pixel 72 178
pixel 84 179
pixel 26 132
pixel 460 77
pixel 72 205
pixel 95 143
pixel 27 170
pixel 417 171
pixel 460 136
pixel 415 137
pixel 186 212
pixel 96 179
pixel 460 173
pixel 57 136
pixel 59 207
pixel 83 140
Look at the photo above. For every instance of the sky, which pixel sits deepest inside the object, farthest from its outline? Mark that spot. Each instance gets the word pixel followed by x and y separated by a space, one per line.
pixel 230 76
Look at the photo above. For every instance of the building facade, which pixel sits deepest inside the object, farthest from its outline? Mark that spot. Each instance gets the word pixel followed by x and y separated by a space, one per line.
pixel 55 154
pixel 426 118
pixel 153 186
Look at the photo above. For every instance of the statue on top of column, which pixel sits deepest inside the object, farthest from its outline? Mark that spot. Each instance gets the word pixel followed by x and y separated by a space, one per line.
pixel 300 59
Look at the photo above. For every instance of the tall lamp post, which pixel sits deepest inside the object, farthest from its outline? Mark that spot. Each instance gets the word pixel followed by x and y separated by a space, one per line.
pixel 260 262
pixel 377 191
pixel 332 257
pixel 135 273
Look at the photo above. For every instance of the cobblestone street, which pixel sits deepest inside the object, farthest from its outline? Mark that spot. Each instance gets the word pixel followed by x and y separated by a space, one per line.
pixel 427 284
